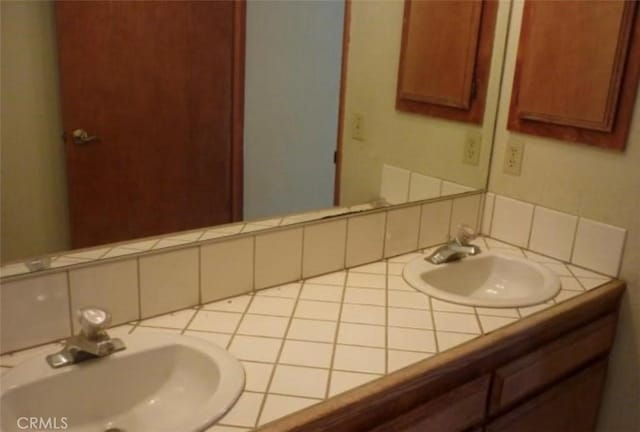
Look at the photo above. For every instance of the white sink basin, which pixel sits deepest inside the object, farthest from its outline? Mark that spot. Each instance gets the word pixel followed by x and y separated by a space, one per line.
pixel 489 279
pixel 159 383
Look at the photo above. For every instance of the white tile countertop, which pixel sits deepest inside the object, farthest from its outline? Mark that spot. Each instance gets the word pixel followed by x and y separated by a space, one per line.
pixel 303 342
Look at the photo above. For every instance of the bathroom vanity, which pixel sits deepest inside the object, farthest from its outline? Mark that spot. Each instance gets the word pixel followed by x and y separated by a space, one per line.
pixel 542 373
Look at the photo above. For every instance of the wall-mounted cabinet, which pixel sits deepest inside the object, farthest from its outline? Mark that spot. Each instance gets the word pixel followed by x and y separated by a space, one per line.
pixel 577 71
pixel 445 58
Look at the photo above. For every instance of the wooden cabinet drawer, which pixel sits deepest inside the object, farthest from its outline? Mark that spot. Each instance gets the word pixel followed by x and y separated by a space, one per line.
pixel 569 406
pixel 526 375
pixel 454 411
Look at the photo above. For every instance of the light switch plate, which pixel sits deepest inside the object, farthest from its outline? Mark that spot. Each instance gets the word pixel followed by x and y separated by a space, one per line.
pixel 357 126
pixel 513 155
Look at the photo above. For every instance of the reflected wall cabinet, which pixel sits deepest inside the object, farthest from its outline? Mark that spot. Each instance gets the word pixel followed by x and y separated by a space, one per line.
pixel 445 58
pixel 577 71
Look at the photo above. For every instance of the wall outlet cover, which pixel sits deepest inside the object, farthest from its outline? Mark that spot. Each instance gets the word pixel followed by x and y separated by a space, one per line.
pixel 472 147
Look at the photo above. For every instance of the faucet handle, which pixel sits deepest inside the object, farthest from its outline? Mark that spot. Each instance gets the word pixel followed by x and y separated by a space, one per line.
pixel 93 321
pixel 465 234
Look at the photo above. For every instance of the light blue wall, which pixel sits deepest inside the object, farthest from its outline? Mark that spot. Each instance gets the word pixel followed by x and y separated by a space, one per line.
pixel 293 61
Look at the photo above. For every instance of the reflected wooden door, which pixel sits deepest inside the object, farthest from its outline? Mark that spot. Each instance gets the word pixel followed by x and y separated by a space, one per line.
pixel 159 85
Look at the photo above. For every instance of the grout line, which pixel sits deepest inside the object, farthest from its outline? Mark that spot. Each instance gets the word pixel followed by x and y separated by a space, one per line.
pixel 253 263
pixel 277 359
pixel 418 243
pixel 475 313
pixel 199 275
pixel 193 317
pixel 67 278
pixel 384 236
pixel 575 239
pixel 530 233
pixel 493 213
pixel 386 312
pixel 139 288
pixel 335 337
pixel 433 322
pixel 243 313
pixel 450 219
pixel 346 242
pixel 302 236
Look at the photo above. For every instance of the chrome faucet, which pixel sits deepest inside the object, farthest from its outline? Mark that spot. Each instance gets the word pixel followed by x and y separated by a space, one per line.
pixel 91 342
pixel 457 248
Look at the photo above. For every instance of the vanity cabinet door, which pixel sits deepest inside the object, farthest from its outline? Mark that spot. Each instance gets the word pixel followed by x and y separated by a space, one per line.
pixel 455 411
pixel 569 406
pixel 576 71
pixel 445 58
pixel 527 375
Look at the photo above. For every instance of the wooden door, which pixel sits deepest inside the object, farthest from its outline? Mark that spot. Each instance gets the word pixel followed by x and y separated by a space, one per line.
pixel 160 86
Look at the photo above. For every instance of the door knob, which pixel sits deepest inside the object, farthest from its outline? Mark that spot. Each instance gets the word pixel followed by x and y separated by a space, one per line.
pixel 80 136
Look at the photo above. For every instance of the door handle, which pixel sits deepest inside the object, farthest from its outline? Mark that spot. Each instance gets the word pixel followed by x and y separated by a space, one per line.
pixel 80 136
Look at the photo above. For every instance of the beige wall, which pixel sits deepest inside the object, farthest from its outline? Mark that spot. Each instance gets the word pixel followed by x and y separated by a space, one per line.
pixel 33 183
pixel 418 143
pixel 597 184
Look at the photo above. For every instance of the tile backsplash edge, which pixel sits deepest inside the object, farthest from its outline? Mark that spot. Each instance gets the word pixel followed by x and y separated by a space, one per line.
pixel 24 292
pixel 581 241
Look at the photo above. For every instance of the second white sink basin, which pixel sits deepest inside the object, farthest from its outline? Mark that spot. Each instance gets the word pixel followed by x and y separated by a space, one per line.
pixel 489 280
pixel 160 383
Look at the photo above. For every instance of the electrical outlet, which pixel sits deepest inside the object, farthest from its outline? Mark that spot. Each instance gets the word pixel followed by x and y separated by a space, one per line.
pixel 357 126
pixel 472 146
pixel 513 157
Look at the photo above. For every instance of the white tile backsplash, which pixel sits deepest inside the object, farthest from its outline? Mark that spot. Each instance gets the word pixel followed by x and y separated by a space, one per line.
pixel 434 223
pixel 168 281
pixel 113 286
pixel 226 269
pixel 512 221
pixel 223 267
pixel 365 239
pixel 487 213
pixel 402 231
pixel 324 249
pixel 394 187
pixel 278 257
pixel 599 246
pixel 451 188
pixel 465 211
pixel 423 187
pixel 34 311
pixel 553 233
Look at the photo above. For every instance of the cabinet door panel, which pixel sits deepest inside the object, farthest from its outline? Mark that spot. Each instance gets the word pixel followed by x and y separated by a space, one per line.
pixel 528 374
pixel 440 36
pixel 445 58
pixel 577 71
pixel 567 49
pixel 455 411
pixel 569 406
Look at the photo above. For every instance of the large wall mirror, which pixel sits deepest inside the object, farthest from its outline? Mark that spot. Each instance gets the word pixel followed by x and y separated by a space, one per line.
pixel 162 117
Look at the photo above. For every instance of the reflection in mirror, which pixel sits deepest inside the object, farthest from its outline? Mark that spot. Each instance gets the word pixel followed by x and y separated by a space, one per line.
pixel 398 155
pixel 306 94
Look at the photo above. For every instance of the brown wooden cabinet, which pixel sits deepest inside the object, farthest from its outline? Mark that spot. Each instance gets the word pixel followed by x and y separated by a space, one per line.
pixel 445 58
pixel 458 409
pixel 577 71
pixel 569 406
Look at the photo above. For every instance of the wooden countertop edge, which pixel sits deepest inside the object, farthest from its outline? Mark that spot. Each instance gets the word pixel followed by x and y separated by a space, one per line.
pixel 404 389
